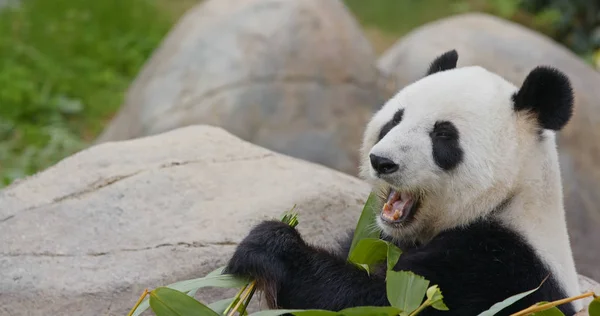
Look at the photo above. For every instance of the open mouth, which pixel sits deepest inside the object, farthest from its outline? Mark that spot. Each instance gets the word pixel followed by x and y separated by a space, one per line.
pixel 399 207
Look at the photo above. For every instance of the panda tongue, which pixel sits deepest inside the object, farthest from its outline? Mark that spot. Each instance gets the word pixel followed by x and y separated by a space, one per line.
pixel 396 205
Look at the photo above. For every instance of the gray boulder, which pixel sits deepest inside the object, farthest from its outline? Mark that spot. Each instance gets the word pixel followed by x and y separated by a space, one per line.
pixel 86 236
pixel 297 77
pixel 512 51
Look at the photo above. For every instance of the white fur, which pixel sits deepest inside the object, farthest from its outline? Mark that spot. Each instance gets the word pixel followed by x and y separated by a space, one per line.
pixel 502 156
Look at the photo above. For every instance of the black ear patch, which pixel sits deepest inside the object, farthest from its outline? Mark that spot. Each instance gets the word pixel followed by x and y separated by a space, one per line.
pixel 547 93
pixel 444 62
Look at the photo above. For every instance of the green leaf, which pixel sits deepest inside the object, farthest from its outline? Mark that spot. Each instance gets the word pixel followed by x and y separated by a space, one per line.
pixel 220 306
pixel 594 309
pixel 168 302
pixel 405 290
pixel 507 302
pixel 549 312
pixel 217 271
pixel 300 312
pixel 221 281
pixel 188 286
pixel 393 254
pixel 366 228
pixel 371 251
pixel 435 297
pixel 371 311
pixel 142 307
pixel 354 311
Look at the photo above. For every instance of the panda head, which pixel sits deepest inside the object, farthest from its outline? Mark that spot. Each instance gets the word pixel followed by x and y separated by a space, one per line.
pixel 453 146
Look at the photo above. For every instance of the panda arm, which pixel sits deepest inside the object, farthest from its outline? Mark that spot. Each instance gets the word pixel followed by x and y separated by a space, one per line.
pixel 293 274
pixel 480 265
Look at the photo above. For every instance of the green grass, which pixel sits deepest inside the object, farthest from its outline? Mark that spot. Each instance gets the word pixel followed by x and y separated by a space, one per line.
pixel 398 17
pixel 66 64
pixel 64 67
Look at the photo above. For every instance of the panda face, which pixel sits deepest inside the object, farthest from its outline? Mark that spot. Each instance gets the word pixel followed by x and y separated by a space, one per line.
pixel 459 143
pixel 440 149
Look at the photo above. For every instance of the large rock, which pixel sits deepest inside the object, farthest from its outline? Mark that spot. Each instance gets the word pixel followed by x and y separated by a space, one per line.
pixel 86 236
pixel 297 77
pixel 512 51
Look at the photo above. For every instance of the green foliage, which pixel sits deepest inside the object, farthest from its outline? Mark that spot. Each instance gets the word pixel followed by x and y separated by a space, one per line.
pixel 594 309
pixel 366 228
pixel 405 290
pixel 64 66
pixel 575 23
pixel 372 251
pixel 398 17
pixel 436 299
pixel 354 311
pixel 168 302
pixel 507 302
pixel 553 311
pixel 213 279
pixel 408 293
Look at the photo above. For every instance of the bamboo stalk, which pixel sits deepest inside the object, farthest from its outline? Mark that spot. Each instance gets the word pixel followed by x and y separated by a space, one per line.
pixel 139 301
pixel 539 308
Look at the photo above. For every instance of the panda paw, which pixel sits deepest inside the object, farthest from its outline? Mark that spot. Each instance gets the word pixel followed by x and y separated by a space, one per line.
pixel 267 253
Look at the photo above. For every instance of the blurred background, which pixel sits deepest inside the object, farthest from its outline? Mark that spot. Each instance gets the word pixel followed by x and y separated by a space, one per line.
pixel 65 65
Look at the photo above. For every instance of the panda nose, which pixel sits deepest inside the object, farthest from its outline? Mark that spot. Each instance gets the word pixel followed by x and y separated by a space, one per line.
pixel 382 165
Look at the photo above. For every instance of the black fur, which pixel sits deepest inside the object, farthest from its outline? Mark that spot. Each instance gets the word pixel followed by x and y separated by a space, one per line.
pixel 446 61
pixel 547 93
pixel 447 152
pixel 393 122
pixel 474 266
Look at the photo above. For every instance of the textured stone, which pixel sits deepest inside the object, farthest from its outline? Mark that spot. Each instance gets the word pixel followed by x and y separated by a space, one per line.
pixel 297 77
pixel 512 51
pixel 86 236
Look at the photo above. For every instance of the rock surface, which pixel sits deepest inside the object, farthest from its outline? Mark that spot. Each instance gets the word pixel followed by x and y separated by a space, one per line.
pixel 297 77
pixel 86 236
pixel 512 51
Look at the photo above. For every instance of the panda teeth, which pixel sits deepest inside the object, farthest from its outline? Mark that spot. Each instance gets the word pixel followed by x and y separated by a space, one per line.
pixel 393 196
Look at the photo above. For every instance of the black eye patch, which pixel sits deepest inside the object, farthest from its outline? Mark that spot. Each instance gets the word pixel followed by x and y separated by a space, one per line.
pixel 393 122
pixel 446 148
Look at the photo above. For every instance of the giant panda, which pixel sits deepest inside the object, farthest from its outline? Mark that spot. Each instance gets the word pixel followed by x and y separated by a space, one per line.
pixel 466 170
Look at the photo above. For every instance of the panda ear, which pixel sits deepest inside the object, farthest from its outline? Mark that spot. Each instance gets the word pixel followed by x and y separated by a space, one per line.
pixel 444 62
pixel 547 93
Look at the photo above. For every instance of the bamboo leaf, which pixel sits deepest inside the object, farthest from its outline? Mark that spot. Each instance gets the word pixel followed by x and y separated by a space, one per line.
pixel 220 306
pixel 549 312
pixel 594 309
pixel 393 254
pixel 406 290
pixel 168 302
pixel 221 281
pixel 217 271
pixel 299 312
pixel 189 286
pixel 366 228
pixel 507 302
pixel 371 251
pixel 354 311
pixel 435 298
pixel 371 311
